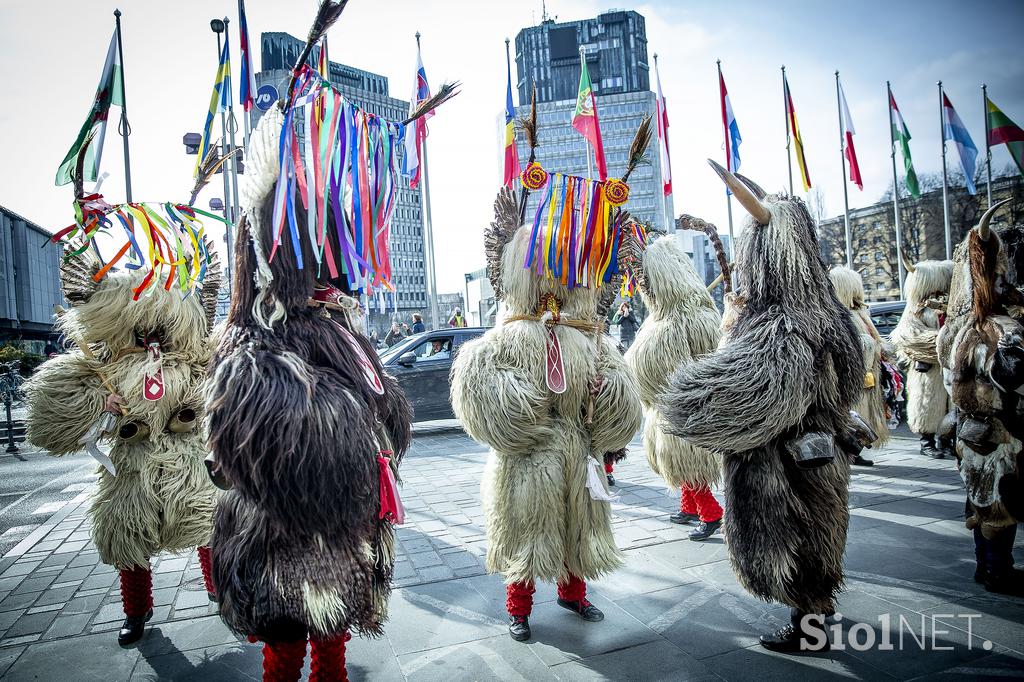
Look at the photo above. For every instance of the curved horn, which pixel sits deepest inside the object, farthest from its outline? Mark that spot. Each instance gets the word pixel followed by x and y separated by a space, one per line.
pixel 752 186
pixel 983 228
pixel 906 263
pixel 747 200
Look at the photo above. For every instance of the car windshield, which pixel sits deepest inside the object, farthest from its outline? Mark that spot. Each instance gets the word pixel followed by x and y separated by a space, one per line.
pixel 396 349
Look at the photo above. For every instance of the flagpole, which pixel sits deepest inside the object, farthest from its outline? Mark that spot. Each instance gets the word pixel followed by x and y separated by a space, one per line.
pixel 895 194
pixel 125 129
pixel 728 161
pixel 785 114
pixel 428 227
pixel 669 222
pixel 232 127
pixel 988 149
pixel 586 147
pixel 229 206
pixel 945 182
pixel 846 193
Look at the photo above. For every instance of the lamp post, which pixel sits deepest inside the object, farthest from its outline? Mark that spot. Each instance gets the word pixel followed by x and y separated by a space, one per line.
pixel 219 26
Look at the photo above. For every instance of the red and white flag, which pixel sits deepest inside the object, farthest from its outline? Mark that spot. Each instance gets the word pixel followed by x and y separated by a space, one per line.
pixel 848 148
pixel 666 164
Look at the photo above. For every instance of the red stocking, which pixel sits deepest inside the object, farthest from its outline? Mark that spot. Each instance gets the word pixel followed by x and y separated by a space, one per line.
pixel 206 563
pixel 574 589
pixel 282 661
pixel 136 590
pixel 327 662
pixel 707 505
pixel 687 504
pixel 519 598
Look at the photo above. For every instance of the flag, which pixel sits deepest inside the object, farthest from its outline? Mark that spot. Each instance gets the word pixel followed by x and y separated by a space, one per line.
pixel 848 149
pixel 731 129
pixel 794 130
pixel 666 163
pixel 218 103
pixel 414 138
pixel 902 135
pixel 248 87
pixel 585 119
pixel 1001 130
pixel 953 129
pixel 110 91
pixel 511 153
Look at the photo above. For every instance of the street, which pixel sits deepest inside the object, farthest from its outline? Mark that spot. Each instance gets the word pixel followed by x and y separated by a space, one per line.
pixel 674 611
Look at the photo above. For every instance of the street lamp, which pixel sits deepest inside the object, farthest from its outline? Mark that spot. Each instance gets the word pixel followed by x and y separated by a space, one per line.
pixel 216 204
pixel 217 25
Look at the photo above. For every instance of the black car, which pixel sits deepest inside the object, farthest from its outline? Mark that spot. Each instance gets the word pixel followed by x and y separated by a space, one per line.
pixel 421 364
pixel 886 315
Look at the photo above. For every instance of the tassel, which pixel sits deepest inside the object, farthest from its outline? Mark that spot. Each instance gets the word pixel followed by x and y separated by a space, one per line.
pixel 596 481
pixel 391 507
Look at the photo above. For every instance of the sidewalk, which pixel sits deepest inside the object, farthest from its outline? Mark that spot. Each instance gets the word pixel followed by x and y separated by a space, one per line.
pixel 674 612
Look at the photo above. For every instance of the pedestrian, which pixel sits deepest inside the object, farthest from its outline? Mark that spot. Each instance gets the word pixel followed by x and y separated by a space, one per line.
pixel 627 325
pixel 374 339
pixel 417 324
pixel 457 320
pixel 394 336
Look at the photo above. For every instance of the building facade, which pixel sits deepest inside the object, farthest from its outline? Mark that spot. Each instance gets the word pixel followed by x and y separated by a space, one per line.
pixel 370 92
pixel 30 281
pixel 615 48
pixel 481 304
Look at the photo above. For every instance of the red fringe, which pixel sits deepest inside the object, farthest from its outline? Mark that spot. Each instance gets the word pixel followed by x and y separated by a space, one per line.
pixel 327 662
pixel 206 563
pixel 137 591
pixel 282 661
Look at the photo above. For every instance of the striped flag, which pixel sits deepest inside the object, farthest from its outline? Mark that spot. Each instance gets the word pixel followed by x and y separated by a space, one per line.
pixel 248 86
pixel 218 103
pixel 953 129
pixel 901 134
pixel 666 163
pixel 415 137
pixel 731 128
pixel 848 149
pixel 511 153
pixel 1001 130
pixel 584 119
pixel 794 130
pixel 110 91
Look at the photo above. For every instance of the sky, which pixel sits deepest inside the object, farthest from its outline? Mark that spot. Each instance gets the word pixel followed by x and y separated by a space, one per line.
pixel 52 65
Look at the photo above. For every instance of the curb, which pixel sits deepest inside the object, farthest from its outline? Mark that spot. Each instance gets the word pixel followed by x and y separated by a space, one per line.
pixel 39 533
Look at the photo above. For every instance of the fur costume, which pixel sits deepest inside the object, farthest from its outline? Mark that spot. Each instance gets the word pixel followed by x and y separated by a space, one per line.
pixel 790 366
pixel 849 289
pixel 296 428
pixel 542 521
pixel 926 290
pixel 682 324
pixel 161 499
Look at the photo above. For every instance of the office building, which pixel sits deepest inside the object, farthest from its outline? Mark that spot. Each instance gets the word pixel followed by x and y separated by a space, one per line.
pixel 29 282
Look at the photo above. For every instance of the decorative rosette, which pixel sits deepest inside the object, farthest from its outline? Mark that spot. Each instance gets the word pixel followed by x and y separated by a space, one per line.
pixel 616 192
pixel 534 177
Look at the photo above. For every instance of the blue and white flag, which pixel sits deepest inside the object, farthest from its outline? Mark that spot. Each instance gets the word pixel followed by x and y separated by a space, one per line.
pixel 953 130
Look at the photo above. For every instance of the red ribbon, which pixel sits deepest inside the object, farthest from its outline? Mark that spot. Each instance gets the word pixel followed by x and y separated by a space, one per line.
pixel 390 504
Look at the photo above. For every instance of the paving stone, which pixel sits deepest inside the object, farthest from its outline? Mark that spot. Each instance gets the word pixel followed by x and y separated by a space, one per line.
pixel 439 614
pixel 20 568
pixel 651 662
pixel 97 582
pixel 30 624
pixel 8 655
pixel 84 559
pixel 422 560
pixel 8 618
pixel 237 661
pixel 68 626
pixel 495 658
pixel 91 657
pixel 18 601
pixel 56 595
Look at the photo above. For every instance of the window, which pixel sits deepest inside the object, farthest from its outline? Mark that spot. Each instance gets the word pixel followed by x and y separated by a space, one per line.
pixel 438 348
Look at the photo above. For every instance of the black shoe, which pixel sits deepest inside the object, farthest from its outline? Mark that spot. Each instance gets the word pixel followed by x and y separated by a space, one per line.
pixel 683 517
pixel 928 448
pixel 519 628
pixel 611 480
pixel 132 629
pixel 1009 583
pixel 861 462
pixel 788 640
pixel 705 530
pixel 212 596
pixel 584 609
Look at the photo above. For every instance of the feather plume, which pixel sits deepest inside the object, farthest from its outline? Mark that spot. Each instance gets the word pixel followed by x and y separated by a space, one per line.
pixel 528 124
pixel 211 284
pixel 447 91
pixel 76 275
pixel 500 232
pixel 326 16
pixel 207 169
pixel 78 177
pixel 637 150
pixel 689 222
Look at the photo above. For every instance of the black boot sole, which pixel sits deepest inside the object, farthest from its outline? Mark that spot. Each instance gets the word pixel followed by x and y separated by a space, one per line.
pixel 568 606
pixel 133 634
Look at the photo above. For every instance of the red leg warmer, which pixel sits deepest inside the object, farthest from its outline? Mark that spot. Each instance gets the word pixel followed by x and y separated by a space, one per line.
pixel 609 466
pixel 519 598
pixel 707 505
pixel 574 589
pixel 282 661
pixel 137 590
pixel 687 504
pixel 206 563
pixel 327 659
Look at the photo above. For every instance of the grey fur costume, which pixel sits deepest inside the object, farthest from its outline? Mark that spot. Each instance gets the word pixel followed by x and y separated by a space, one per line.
pixel 871 406
pixel 161 498
pixel 790 365
pixel 682 324
pixel 298 545
pixel 926 290
pixel 541 520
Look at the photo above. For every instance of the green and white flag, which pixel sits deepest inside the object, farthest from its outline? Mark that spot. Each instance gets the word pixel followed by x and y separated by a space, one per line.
pixel 110 91
pixel 902 135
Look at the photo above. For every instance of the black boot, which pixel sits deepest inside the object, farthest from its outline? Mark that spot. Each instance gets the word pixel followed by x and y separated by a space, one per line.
pixel 132 629
pixel 795 638
pixel 928 448
pixel 861 462
pixel 705 530
pixel 583 608
pixel 683 517
pixel 944 447
pixel 611 480
pixel 519 628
